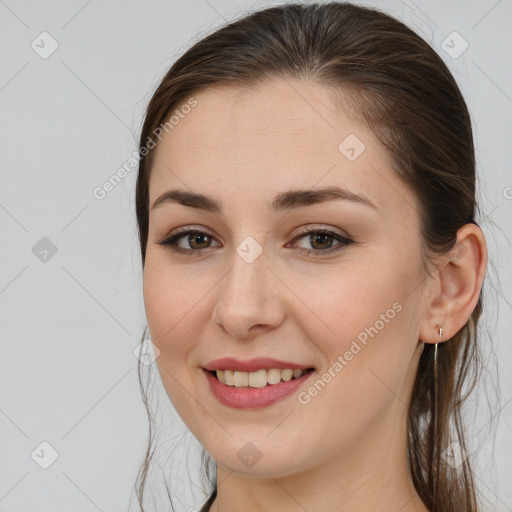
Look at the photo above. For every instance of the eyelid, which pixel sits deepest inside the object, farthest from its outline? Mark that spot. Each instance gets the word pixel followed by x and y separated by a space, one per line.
pixel 192 227
pixel 307 228
pixel 301 230
pixel 344 239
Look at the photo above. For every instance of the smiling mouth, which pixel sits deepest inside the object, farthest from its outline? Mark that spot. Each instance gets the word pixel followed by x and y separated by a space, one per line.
pixel 258 379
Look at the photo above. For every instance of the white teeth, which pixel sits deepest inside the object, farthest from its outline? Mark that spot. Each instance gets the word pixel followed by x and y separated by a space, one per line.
pixel 228 377
pixel 274 376
pixel 240 379
pixel 286 375
pixel 258 379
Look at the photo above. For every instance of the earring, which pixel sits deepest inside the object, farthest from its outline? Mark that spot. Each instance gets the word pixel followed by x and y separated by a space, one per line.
pixel 440 333
pixel 435 401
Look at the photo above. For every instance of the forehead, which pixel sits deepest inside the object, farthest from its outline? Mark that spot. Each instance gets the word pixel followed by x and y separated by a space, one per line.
pixel 246 143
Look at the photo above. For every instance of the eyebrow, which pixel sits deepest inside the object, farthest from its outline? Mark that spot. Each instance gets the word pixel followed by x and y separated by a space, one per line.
pixel 283 201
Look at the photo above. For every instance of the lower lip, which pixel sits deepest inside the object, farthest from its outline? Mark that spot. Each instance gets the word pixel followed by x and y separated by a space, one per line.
pixel 252 398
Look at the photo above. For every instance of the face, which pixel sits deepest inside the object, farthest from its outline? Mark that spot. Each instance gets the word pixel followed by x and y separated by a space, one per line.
pixel 318 281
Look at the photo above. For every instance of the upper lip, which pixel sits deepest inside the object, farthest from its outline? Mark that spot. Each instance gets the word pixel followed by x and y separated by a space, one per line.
pixel 252 365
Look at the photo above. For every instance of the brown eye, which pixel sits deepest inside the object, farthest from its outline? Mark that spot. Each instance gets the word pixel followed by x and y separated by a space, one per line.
pixel 198 240
pixel 321 241
pixel 193 241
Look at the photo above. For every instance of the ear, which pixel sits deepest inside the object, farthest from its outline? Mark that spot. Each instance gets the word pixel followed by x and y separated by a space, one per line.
pixel 458 280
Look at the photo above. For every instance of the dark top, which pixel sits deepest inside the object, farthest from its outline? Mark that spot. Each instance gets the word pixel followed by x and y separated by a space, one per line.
pixel 208 504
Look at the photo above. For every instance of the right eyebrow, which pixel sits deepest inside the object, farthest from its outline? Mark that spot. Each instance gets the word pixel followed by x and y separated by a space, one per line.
pixel 283 201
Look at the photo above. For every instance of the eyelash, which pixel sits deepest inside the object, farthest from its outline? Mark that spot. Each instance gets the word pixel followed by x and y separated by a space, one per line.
pixel 170 241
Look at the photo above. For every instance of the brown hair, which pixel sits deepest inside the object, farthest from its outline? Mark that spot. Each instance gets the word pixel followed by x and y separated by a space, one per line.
pixel 408 98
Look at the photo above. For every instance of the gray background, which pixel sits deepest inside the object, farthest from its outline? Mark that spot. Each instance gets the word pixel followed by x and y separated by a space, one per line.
pixel 71 320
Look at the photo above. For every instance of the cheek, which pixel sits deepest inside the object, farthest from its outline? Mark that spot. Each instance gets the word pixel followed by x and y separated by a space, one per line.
pixel 343 303
pixel 178 305
pixel 172 305
pixel 159 302
pixel 361 321
pixel 172 301
pixel 368 355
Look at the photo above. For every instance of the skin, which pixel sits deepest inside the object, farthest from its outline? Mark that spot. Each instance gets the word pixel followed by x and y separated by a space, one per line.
pixel 345 450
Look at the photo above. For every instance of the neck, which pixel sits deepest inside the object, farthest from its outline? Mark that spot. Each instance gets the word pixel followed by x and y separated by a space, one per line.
pixel 372 475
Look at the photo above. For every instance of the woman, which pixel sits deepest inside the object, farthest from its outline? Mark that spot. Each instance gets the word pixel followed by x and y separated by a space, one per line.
pixel 313 269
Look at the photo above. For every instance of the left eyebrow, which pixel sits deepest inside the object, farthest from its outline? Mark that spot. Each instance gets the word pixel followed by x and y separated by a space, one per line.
pixel 283 201
pixel 298 198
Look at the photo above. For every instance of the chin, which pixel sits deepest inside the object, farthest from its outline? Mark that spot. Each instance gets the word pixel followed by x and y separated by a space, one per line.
pixel 258 460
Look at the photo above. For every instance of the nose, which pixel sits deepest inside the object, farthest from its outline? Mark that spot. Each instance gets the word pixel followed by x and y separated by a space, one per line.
pixel 249 301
